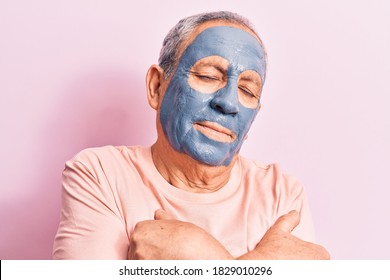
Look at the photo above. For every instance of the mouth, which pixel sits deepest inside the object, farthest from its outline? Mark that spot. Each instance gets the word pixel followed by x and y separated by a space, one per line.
pixel 215 131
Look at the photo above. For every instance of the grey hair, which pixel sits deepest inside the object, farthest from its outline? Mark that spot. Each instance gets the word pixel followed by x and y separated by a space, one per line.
pixel 182 30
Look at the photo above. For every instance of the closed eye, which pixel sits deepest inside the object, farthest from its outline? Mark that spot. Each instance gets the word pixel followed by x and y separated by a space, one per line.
pixel 248 92
pixel 208 74
pixel 205 77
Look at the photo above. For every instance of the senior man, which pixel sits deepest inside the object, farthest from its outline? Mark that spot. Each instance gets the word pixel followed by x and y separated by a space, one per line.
pixel 190 195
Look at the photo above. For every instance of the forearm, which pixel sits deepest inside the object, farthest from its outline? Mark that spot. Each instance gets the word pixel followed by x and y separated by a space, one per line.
pixel 174 240
pixel 279 244
pixel 252 255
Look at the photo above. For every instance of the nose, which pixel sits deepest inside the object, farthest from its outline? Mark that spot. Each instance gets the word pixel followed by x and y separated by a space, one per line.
pixel 226 99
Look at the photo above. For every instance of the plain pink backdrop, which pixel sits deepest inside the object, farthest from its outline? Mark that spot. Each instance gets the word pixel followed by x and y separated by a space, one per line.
pixel 72 76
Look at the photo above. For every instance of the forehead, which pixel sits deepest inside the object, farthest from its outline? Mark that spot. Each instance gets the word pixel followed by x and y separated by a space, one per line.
pixel 240 48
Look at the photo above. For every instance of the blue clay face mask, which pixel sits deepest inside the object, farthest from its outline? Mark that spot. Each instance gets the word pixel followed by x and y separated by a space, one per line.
pixel 214 95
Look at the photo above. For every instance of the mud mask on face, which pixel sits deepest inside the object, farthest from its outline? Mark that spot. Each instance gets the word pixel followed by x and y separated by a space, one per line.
pixel 183 107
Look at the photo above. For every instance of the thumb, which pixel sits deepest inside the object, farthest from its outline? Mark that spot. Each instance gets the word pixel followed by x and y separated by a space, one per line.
pixel 287 222
pixel 162 215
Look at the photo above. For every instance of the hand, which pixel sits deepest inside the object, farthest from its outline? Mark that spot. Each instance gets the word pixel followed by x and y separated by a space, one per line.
pixel 279 244
pixel 168 238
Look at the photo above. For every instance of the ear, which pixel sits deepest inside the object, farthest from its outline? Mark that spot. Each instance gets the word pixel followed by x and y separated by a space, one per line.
pixel 154 81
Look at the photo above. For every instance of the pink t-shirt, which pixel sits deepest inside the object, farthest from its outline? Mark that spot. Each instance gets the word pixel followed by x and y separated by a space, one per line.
pixel 108 190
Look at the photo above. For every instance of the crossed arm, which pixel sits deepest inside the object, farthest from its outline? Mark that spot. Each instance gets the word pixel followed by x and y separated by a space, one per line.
pixel 91 228
pixel 168 238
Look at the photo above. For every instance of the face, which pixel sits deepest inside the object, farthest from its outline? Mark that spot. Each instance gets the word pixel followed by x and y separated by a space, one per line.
pixel 214 95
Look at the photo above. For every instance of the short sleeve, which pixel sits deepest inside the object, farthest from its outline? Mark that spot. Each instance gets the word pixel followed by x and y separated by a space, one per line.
pixel 91 225
pixel 299 202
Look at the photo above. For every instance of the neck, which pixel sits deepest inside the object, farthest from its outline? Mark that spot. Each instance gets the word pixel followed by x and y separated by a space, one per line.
pixel 183 172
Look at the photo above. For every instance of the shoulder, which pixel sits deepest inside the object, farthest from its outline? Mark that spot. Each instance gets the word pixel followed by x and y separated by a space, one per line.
pixel 276 193
pixel 269 177
pixel 103 169
pixel 105 155
pixel 106 161
pixel 97 153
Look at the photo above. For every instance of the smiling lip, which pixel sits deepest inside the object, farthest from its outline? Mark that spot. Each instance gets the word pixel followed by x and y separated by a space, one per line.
pixel 215 131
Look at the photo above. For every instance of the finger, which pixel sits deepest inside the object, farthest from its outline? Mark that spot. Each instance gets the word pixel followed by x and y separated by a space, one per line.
pixel 162 215
pixel 287 222
pixel 130 253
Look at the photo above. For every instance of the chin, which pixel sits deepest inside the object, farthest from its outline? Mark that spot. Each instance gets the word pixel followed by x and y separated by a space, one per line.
pixel 211 153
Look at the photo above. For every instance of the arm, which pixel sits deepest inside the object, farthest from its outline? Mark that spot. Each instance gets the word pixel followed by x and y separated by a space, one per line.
pixel 279 244
pixel 91 226
pixel 167 238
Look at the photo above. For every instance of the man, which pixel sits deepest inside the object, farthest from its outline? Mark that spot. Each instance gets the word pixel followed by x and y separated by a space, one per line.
pixel 190 195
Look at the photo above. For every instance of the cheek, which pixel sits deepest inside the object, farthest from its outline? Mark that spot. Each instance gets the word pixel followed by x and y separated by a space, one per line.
pixel 246 119
pixel 189 101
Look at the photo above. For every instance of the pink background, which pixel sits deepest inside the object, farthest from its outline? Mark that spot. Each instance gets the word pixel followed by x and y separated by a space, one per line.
pixel 72 76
